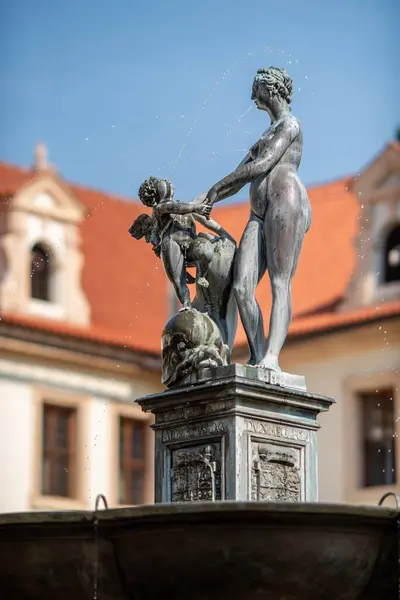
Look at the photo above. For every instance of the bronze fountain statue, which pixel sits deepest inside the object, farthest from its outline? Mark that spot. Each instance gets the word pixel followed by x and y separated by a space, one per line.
pixel 280 216
pixel 244 433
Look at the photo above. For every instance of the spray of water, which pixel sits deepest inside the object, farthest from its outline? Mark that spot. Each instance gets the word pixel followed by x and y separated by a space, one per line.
pixel 239 120
pixel 174 164
pixel 225 74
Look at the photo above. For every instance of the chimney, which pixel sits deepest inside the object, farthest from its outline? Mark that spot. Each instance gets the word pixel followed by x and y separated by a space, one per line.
pixel 40 157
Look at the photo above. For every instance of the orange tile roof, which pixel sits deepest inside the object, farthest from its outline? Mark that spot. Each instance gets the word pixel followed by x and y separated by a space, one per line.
pixel 122 278
pixel 127 289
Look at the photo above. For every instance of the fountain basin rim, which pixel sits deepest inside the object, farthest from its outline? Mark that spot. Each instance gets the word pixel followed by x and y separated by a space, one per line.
pixel 208 511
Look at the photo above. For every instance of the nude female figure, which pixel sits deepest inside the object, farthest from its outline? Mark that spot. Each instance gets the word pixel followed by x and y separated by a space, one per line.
pixel 280 215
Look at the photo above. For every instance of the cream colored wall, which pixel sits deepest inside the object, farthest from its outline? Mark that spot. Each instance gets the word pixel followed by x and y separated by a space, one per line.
pixel 99 400
pixel 16 443
pixel 98 447
pixel 338 366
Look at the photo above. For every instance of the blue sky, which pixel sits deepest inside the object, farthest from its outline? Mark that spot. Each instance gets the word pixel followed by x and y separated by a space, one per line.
pixel 125 89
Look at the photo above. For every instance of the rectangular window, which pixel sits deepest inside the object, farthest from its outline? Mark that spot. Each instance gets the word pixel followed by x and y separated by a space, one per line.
pixel 132 434
pixel 379 437
pixel 59 451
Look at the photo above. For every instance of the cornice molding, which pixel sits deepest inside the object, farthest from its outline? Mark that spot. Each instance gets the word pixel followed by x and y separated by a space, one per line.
pixel 65 349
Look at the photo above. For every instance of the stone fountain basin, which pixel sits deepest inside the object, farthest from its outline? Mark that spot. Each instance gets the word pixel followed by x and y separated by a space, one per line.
pixel 202 551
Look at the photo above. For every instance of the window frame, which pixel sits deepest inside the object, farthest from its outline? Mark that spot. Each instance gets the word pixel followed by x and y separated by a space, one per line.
pixel 54 452
pixel 68 400
pixel 127 463
pixel 386 267
pixel 134 412
pixel 353 449
pixel 54 306
pixel 49 268
pixel 365 398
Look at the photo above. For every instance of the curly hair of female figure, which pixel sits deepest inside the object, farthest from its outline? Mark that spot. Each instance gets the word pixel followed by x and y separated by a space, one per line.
pixel 277 81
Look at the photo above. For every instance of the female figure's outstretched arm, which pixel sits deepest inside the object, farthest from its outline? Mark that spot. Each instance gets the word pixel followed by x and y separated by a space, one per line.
pixel 232 191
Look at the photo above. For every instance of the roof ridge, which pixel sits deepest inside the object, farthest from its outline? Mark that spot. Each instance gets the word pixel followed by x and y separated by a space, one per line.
pixel 109 195
pixel 344 180
pixel 10 165
pixel 26 171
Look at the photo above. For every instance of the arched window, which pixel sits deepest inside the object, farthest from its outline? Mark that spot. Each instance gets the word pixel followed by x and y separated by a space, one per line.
pixel 40 273
pixel 392 256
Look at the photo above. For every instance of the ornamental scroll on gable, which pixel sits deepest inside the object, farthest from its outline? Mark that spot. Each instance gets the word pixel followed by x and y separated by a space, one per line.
pixel 275 474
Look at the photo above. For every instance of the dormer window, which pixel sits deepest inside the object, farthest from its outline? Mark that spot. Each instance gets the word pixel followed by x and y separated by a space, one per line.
pixel 41 258
pixel 392 256
pixel 40 273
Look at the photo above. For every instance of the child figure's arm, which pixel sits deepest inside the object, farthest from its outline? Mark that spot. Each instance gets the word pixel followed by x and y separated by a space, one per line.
pixel 214 227
pixel 172 207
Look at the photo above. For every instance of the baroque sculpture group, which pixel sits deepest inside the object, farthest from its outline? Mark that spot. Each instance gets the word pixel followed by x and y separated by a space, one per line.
pixel 202 334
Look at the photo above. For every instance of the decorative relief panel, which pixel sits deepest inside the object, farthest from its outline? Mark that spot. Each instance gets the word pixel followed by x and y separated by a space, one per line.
pixel 196 473
pixel 275 473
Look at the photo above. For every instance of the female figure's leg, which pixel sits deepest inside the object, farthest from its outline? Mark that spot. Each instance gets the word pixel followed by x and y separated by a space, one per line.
pixel 285 225
pixel 175 268
pixel 250 266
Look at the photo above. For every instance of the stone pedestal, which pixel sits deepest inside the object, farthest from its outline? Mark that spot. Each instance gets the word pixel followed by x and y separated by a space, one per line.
pixel 234 433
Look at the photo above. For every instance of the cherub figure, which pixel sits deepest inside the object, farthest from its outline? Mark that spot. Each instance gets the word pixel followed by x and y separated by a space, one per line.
pixel 172 231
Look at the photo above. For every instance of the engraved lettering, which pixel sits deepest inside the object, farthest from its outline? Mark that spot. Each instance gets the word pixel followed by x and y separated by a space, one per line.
pixel 277 431
pixel 181 414
pixel 273 378
pixel 193 431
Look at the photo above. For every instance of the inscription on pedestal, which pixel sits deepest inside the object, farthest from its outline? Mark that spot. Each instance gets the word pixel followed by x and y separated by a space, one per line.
pixel 275 430
pixel 196 473
pixel 275 474
pixel 188 412
pixel 193 431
